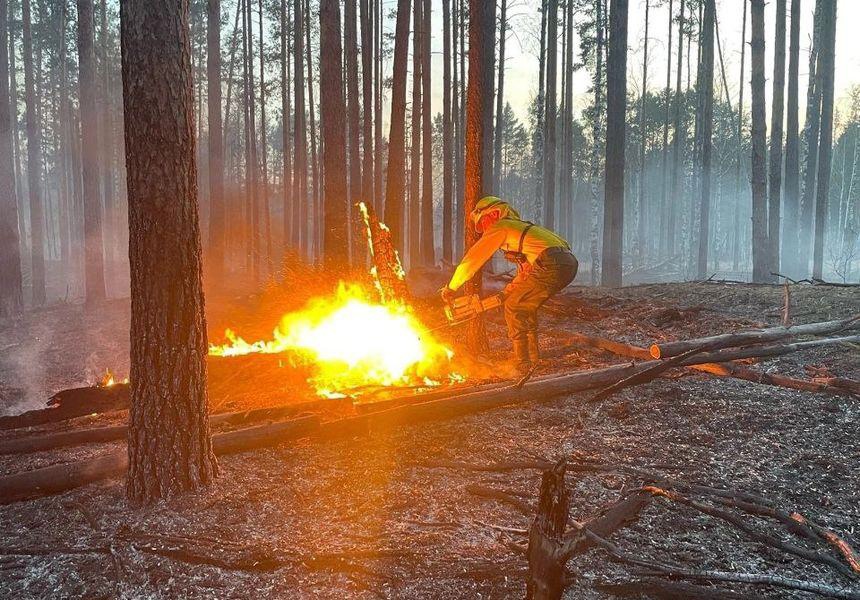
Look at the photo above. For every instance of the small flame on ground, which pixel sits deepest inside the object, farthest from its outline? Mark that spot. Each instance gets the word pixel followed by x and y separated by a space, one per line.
pixel 108 379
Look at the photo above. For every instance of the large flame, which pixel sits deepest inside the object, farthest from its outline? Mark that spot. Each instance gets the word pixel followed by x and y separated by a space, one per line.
pixel 352 341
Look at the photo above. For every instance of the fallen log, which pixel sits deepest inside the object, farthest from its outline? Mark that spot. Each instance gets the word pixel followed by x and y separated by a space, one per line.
pixel 719 363
pixel 95 435
pixel 71 403
pixel 760 336
pixel 60 478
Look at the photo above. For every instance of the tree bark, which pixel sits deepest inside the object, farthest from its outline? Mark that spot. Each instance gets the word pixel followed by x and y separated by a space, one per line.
pixel 316 208
pixel 760 244
pixel 11 286
pixel 474 166
pixel 368 158
pixel 678 141
pixel 664 159
pixel 488 21
pixel 810 134
pixel 428 244
pixel 500 95
pixel 332 113
pixel 643 143
pixel 825 143
pixel 414 205
pixel 216 139
pixel 396 136
pixel 777 113
pixel 550 116
pixel 706 92
pixel 352 111
pixel 616 108
pixel 736 237
pixel 300 179
pixel 93 240
pixel 264 147
pixel 288 200
pixel 596 131
pixel 169 446
pixel 447 136
pixel 34 164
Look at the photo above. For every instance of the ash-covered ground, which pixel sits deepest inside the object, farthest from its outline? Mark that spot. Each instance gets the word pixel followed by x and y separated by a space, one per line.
pixel 396 515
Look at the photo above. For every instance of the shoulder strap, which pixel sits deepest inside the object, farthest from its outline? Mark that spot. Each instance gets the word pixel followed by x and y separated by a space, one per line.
pixel 523 236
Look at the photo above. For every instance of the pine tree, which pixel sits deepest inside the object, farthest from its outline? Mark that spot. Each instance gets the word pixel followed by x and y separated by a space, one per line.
pixel 792 154
pixel 825 142
pixel 760 243
pixel 11 295
pixel 776 112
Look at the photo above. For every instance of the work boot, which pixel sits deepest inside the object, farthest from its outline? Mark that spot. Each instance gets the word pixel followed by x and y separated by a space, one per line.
pixel 533 347
pixel 521 356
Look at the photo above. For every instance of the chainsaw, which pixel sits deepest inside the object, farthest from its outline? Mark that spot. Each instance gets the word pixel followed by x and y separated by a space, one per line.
pixel 466 308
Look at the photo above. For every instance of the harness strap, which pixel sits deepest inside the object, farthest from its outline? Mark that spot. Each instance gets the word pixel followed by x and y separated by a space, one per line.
pixel 523 237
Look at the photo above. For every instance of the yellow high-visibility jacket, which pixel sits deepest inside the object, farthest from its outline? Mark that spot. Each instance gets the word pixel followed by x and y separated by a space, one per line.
pixel 505 235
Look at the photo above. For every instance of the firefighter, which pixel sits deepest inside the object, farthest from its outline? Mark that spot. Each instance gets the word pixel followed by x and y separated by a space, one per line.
pixel 545 265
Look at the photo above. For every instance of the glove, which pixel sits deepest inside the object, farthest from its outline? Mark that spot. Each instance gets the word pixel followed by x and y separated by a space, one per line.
pixel 447 294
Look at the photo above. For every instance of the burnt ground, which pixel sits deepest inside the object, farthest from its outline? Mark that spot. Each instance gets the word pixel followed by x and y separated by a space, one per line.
pixel 392 515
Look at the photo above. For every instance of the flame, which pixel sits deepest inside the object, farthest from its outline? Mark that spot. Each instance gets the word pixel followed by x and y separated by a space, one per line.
pixel 109 380
pixel 352 341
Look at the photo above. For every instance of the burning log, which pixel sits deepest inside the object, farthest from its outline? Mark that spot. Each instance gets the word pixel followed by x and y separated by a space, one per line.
pixel 71 403
pixel 748 338
pixel 387 271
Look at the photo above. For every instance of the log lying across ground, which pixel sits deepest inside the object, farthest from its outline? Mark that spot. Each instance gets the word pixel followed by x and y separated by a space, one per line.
pixel 94 435
pixel 71 403
pixel 760 336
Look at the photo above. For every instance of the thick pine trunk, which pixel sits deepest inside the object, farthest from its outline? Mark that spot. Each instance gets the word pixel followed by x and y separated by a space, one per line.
pixel 488 21
pixel 368 158
pixel 500 94
pixel 352 112
pixel 447 137
pixel 825 142
pixel 760 245
pixel 34 164
pixel 428 245
pixel 776 114
pixel 810 135
pixel 169 446
pixel 550 116
pixel 394 187
pixel 706 92
pixel 678 141
pixel 93 242
pixel 414 205
pixel 332 112
pixel 300 180
pixel 11 295
pixel 216 137
pixel 616 106
pixel 474 171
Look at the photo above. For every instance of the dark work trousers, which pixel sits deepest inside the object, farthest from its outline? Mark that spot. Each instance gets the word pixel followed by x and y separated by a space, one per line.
pixel 553 270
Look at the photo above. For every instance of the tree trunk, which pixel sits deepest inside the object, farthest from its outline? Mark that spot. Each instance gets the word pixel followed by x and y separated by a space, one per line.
pixel 93 242
pixel 264 187
pixel 706 92
pixel 539 143
pixel 332 113
pixel 216 149
pixel 34 165
pixel 447 136
pixel 105 147
pixel 810 133
pixel 550 116
pixel 475 139
pixel 500 94
pixel 460 157
pixel 825 143
pixel 396 136
pixel 616 97
pixel 169 445
pixel 11 295
pixel 643 142
pixel 566 200
pixel 488 20
pixel 413 226
pixel 428 244
pixel 677 142
pixel 596 131
pixel 760 244
pixel 776 112
pixel 286 110
pixel 300 179
pixel 368 158
pixel 315 175
pixel 664 160
pixel 378 197
pixel 352 111
pixel 736 245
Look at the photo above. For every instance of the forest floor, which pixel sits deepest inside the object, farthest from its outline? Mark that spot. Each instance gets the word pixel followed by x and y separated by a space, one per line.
pixel 392 515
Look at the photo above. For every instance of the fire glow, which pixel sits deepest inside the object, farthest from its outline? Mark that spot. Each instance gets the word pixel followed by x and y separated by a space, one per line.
pixel 352 341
